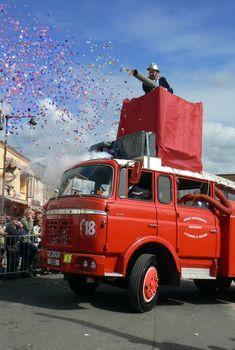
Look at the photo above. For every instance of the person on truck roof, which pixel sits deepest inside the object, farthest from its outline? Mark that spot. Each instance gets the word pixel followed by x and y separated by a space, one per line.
pixel 154 74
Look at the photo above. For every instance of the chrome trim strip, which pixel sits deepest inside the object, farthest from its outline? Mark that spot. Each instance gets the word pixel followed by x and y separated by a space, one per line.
pixel 113 274
pixel 62 211
pixel 193 272
pixel 66 211
pixel 91 211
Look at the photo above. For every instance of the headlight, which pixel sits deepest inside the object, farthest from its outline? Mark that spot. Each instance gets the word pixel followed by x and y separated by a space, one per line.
pixel 93 265
pixel 84 264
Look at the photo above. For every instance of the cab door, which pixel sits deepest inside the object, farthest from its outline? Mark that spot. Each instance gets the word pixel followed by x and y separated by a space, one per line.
pixel 197 231
pixel 131 218
pixel 165 208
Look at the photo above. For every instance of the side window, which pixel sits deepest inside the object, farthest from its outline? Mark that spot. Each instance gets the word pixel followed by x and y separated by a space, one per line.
pixel 142 190
pixel 185 187
pixel 229 193
pixel 164 189
pixel 122 183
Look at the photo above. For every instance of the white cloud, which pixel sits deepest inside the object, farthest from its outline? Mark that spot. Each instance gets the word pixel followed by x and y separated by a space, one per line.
pixel 216 90
pixel 219 147
pixel 5 107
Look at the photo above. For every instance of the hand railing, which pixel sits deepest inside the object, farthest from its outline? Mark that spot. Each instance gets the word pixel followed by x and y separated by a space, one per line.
pixel 18 254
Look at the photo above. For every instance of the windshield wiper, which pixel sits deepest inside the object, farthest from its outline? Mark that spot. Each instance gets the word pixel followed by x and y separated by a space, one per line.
pixel 82 176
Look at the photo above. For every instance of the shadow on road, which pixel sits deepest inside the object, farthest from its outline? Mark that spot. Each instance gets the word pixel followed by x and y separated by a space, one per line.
pixel 116 300
pixel 130 338
pixel 53 293
pixel 50 293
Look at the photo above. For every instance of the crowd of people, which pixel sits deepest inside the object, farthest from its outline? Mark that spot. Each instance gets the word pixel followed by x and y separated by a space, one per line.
pixel 19 243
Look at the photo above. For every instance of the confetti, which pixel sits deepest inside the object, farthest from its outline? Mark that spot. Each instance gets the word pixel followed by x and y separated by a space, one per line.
pixel 67 84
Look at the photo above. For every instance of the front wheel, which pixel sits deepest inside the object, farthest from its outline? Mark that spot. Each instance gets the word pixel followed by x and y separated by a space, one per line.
pixel 82 285
pixel 143 283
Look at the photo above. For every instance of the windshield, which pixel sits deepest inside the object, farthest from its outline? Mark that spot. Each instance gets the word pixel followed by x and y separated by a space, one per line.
pixel 92 180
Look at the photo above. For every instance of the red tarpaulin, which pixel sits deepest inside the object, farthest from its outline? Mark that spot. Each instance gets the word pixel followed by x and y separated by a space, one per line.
pixel 176 122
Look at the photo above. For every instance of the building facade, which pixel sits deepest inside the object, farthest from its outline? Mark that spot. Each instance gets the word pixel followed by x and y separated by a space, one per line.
pixel 37 190
pixel 23 187
pixel 228 176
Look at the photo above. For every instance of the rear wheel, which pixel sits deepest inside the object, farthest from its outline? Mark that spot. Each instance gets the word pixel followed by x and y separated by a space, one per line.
pixel 220 285
pixel 143 284
pixel 82 285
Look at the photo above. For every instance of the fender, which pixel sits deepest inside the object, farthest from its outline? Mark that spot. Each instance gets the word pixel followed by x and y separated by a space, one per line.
pixel 224 206
pixel 125 257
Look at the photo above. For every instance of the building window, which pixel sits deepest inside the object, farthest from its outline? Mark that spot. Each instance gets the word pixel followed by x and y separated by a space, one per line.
pixel 31 184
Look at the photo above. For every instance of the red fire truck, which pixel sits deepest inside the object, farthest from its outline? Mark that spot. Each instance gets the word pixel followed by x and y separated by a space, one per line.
pixel 138 224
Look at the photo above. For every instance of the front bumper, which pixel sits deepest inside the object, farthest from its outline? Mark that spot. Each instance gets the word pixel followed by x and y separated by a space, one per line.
pixel 71 262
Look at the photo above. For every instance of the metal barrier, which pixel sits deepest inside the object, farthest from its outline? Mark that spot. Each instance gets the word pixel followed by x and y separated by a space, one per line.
pixel 18 254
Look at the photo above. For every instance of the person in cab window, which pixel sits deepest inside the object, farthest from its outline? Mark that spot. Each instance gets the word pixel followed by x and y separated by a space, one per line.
pixel 136 192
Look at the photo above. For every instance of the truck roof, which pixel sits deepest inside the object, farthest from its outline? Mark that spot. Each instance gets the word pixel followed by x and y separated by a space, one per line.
pixel 154 163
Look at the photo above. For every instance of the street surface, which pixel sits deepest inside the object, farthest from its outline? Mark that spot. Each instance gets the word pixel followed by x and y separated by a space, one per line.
pixel 41 313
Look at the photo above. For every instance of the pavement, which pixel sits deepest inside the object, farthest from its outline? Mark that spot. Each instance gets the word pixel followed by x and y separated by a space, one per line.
pixel 41 312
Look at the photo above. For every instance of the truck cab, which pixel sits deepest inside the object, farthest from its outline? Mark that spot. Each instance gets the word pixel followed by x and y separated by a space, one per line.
pixel 136 224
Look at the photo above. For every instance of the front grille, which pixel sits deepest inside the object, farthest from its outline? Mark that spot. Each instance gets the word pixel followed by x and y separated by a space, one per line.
pixel 59 231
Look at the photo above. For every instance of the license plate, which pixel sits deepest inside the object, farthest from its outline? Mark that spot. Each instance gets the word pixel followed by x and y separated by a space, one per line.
pixel 52 254
pixel 52 261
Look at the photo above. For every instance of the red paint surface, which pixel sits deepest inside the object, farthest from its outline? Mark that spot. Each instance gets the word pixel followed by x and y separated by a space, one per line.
pixel 176 122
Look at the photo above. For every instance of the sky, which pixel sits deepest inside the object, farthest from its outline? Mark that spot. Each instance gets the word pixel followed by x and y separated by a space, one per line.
pixel 62 61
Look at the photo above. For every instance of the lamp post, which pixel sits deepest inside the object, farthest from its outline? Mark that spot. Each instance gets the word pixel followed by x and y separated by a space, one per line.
pixel 7 117
pixel 32 122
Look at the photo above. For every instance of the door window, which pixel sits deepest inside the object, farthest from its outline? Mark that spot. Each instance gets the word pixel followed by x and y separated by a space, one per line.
pixel 185 187
pixel 122 186
pixel 164 189
pixel 143 189
pixel 229 193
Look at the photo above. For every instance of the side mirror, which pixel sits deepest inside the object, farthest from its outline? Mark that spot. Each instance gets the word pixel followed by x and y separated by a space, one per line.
pixel 56 192
pixel 135 174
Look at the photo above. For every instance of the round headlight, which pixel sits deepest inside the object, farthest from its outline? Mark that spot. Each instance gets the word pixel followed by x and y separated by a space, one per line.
pixel 93 265
pixel 84 264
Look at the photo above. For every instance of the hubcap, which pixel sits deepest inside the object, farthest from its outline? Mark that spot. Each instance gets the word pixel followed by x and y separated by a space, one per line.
pixel 150 285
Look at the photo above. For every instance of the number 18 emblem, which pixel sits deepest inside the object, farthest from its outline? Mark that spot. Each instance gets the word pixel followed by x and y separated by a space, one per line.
pixel 87 227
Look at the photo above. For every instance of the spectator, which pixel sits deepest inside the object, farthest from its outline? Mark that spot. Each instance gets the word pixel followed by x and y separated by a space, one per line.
pixel 36 238
pixel 12 245
pixel 28 251
pixel 27 221
pixel 2 241
pixel 34 214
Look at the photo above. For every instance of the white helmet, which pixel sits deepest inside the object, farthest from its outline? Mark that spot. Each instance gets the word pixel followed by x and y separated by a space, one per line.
pixel 153 66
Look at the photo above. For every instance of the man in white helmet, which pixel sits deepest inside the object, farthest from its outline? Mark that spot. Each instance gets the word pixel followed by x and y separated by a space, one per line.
pixel 155 76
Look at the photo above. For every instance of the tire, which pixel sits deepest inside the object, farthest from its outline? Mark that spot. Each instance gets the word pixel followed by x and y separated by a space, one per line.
pixel 219 285
pixel 79 285
pixel 143 284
